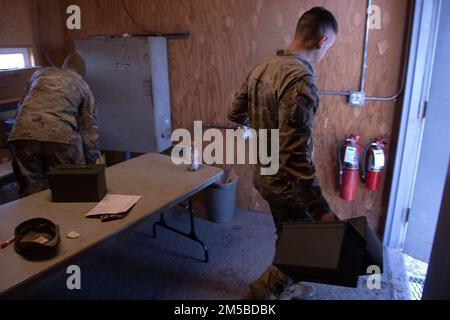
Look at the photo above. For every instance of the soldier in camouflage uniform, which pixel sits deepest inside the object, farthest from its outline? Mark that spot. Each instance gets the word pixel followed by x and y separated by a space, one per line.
pixel 281 93
pixel 56 124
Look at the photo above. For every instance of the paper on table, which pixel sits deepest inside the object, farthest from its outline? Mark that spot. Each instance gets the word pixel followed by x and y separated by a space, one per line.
pixel 114 204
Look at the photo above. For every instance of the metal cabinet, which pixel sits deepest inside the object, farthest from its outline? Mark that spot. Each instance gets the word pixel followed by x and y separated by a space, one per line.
pixel 129 77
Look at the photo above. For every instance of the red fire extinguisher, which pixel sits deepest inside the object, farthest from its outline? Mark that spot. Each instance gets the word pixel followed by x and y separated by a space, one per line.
pixel 373 162
pixel 350 149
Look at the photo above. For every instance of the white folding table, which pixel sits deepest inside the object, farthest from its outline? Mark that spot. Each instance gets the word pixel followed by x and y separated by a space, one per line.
pixel 161 184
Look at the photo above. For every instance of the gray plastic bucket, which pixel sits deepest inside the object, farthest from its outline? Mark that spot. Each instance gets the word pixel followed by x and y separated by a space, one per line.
pixel 220 201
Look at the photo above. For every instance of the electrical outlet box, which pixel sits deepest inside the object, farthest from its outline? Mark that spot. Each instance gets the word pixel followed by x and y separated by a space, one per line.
pixel 357 99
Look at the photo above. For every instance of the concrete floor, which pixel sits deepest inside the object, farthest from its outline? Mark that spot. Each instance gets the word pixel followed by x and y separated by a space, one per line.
pixel 416 271
pixel 131 265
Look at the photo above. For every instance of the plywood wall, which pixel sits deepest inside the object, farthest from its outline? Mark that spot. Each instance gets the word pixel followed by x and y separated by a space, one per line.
pixel 16 23
pixel 35 24
pixel 229 36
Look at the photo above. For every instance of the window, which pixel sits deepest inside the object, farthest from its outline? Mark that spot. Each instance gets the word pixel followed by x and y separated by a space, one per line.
pixel 15 58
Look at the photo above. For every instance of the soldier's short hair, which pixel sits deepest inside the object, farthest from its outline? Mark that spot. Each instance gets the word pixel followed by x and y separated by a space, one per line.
pixel 316 22
pixel 76 63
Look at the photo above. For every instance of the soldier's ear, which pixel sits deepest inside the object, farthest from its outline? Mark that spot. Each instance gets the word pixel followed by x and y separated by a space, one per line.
pixel 322 41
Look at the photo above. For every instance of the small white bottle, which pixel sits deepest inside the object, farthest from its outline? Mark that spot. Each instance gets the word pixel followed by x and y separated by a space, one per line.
pixel 195 163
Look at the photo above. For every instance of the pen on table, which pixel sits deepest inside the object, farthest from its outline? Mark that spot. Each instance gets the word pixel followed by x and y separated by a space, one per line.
pixel 107 217
pixel 111 217
pixel 6 243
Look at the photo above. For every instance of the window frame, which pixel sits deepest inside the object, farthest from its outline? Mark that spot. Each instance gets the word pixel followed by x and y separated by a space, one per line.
pixel 24 51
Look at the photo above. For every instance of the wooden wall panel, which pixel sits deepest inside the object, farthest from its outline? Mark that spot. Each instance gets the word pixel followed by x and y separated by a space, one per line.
pixel 229 36
pixel 16 26
pixel 27 23
pixel 50 29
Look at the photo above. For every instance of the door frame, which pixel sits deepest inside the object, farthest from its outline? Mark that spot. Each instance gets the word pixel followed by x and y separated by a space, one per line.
pixel 424 34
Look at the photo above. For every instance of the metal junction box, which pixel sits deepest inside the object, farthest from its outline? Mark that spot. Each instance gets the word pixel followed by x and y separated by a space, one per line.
pixel 129 77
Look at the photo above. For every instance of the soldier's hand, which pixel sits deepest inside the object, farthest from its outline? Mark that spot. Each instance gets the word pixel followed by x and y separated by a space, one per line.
pixel 328 217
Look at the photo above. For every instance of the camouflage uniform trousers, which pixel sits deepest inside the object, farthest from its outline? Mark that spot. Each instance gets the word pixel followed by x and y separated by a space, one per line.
pixel 33 159
pixel 272 283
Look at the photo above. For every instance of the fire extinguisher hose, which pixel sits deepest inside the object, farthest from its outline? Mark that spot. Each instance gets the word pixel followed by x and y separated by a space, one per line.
pixel 340 164
pixel 363 163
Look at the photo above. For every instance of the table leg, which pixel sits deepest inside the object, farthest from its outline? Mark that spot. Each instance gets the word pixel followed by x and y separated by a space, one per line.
pixel 192 235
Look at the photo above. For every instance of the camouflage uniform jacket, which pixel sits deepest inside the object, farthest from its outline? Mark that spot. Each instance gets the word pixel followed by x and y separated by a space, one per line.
pixel 280 93
pixel 59 107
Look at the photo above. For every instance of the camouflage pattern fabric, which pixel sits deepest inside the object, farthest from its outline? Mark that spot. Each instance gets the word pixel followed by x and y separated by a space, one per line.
pixel 33 159
pixel 59 107
pixel 281 93
pixel 272 283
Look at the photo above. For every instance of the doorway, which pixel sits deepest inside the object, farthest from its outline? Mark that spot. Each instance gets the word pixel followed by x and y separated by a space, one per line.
pixel 424 148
